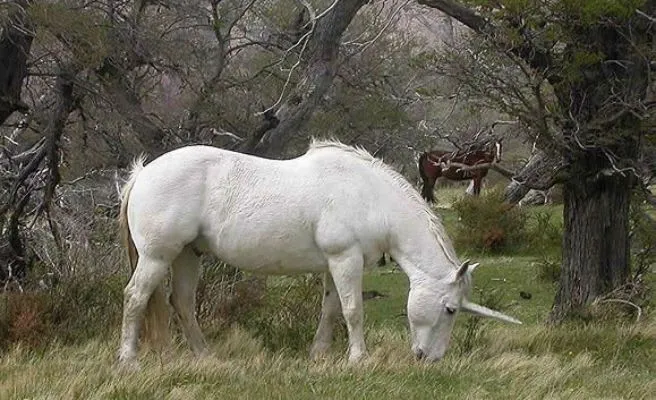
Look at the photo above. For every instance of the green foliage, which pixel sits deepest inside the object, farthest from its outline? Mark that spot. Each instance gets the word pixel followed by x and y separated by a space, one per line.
pixel 224 294
pixel 548 268
pixel 288 316
pixel 643 237
pixel 84 33
pixel 280 312
pixel 473 335
pixel 487 224
pixel 544 239
pixel 592 12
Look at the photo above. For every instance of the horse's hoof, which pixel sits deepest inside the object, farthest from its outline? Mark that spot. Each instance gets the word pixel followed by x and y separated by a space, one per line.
pixel 319 352
pixel 128 366
pixel 355 358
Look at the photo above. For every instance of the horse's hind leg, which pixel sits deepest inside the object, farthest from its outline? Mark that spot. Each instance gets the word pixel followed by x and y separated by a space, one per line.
pixel 478 181
pixel 346 269
pixel 148 275
pixel 186 272
pixel 329 310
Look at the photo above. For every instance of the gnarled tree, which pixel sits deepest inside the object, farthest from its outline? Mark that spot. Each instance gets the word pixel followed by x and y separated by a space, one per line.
pixel 578 74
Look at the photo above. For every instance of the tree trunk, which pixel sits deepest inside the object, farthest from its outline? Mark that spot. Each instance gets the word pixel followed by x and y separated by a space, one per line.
pixel 126 101
pixel 317 79
pixel 596 253
pixel 15 44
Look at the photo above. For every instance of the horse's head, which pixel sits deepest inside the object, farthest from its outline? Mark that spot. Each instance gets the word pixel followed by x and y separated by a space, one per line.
pixel 432 309
pixel 494 149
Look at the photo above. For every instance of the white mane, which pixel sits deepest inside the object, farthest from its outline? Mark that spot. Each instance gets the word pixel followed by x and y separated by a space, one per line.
pixel 434 222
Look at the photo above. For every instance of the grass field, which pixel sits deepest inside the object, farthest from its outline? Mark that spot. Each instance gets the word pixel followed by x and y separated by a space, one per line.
pixel 487 359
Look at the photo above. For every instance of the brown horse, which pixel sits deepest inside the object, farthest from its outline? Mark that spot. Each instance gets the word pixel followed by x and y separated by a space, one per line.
pixel 434 164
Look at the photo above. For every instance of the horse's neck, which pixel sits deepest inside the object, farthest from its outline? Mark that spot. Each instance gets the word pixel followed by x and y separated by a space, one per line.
pixel 422 257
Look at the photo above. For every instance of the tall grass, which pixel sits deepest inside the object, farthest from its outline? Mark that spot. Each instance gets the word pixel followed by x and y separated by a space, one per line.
pixel 532 362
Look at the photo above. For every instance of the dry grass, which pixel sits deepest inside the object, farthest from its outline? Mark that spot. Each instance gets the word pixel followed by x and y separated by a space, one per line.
pixel 532 362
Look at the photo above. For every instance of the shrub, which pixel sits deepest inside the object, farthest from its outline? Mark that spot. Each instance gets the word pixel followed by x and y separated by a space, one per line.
pixel 225 295
pixel 487 224
pixel 544 238
pixel 283 312
pixel 289 315
pixel 473 335
pixel 86 306
pixel 22 318
pixel 73 311
pixel 548 269
pixel 643 238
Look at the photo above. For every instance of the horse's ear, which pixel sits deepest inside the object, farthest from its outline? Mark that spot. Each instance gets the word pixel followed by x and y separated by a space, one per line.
pixel 466 266
pixel 498 148
pixel 472 267
pixel 462 270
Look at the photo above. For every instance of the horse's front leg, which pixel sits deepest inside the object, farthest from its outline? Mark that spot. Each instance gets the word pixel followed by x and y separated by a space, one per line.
pixel 427 189
pixel 329 311
pixel 346 269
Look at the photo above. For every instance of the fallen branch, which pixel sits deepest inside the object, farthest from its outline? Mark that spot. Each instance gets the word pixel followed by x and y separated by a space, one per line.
pixel 637 307
pixel 464 167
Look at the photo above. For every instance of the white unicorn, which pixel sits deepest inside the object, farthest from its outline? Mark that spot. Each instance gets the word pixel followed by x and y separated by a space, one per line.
pixel 334 210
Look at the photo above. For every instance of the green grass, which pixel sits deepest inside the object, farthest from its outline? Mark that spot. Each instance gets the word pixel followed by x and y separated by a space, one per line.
pixel 487 359
pixel 530 362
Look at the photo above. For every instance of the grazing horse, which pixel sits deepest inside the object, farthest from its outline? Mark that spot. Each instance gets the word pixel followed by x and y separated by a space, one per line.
pixel 431 168
pixel 333 210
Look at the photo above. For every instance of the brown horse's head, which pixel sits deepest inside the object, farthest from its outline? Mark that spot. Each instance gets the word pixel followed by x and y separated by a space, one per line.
pixel 493 150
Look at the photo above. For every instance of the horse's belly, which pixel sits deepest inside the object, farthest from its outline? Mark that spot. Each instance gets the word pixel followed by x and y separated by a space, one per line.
pixel 288 255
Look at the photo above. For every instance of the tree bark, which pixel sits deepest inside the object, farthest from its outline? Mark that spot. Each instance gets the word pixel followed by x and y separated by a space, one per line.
pixel 596 249
pixel 540 172
pixel 15 44
pixel 127 103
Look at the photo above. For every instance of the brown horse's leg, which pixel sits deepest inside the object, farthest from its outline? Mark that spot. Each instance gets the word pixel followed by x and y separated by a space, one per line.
pixel 427 190
pixel 477 186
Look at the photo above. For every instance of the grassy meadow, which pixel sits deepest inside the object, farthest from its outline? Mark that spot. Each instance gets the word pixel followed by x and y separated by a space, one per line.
pixel 613 359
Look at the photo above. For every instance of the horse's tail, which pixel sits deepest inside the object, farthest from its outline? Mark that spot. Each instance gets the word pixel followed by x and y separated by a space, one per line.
pixel 426 188
pixel 126 237
pixel 156 316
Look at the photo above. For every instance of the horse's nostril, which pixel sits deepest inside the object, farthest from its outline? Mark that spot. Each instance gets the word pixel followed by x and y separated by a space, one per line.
pixel 420 354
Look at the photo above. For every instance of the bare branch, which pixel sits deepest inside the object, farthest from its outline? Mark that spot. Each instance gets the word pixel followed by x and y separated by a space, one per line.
pixel 464 167
pixel 542 171
pixel 323 47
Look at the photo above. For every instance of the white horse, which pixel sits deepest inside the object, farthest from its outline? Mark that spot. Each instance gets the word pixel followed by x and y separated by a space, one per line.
pixel 335 210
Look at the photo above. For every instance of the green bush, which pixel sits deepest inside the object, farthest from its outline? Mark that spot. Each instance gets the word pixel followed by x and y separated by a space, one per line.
pixel 86 307
pixel 643 237
pixel 487 224
pixel 282 312
pixel 472 337
pixel 283 315
pixel 289 314
pixel 544 239
pixel 225 295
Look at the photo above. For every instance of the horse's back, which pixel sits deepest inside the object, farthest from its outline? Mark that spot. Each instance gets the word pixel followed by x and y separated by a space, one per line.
pixel 256 213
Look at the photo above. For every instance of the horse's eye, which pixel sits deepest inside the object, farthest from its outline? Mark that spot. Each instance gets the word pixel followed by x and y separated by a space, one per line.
pixel 450 310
